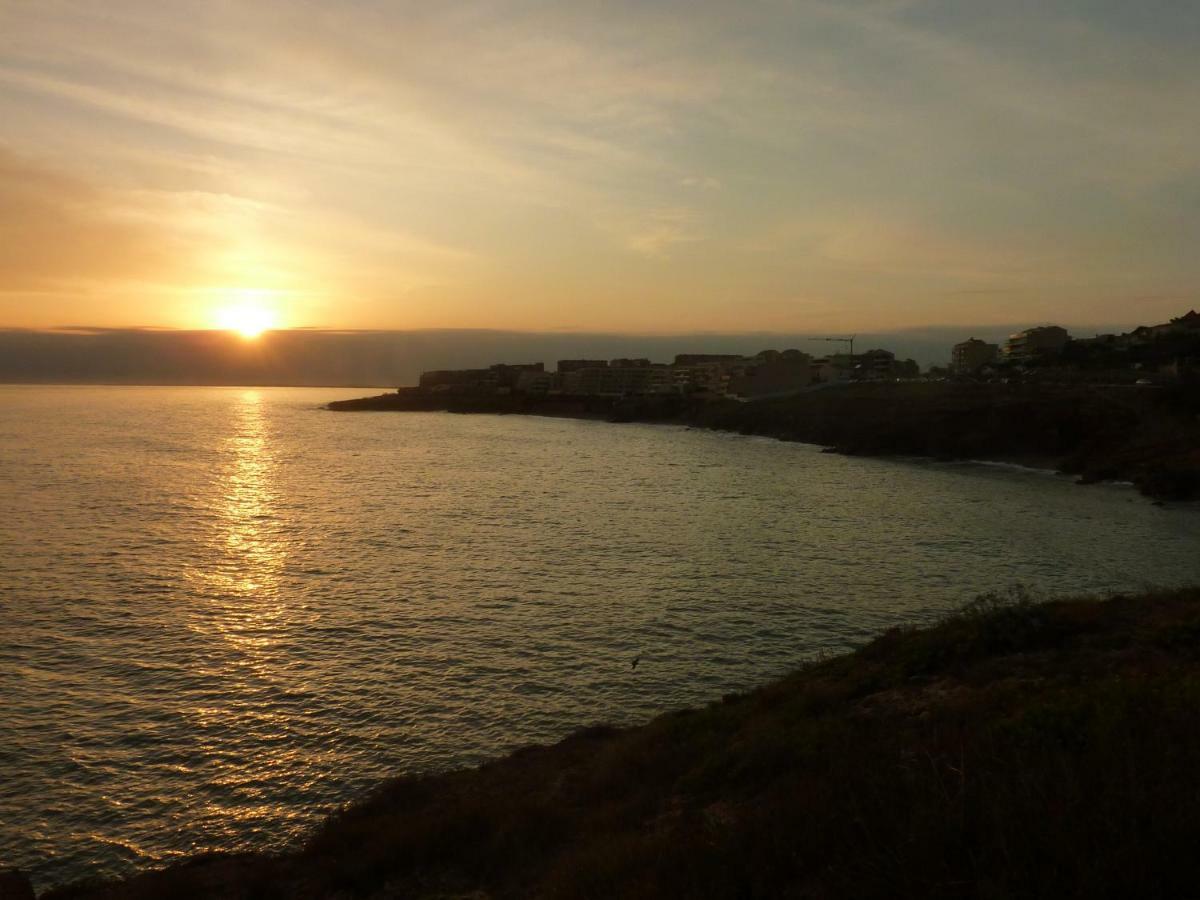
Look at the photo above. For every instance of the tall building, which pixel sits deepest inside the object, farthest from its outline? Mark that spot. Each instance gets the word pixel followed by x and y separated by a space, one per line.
pixel 506 375
pixel 1045 342
pixel 875 365
pixel 770 374
pixel 972 355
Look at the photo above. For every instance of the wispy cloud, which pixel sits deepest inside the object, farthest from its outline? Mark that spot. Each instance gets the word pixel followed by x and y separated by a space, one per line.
pixel 497 160
pixel 663 230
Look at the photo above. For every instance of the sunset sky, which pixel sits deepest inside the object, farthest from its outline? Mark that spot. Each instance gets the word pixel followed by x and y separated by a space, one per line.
pixel 623 166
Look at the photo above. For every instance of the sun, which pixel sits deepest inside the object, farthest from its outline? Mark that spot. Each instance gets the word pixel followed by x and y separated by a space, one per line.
pixel 247 319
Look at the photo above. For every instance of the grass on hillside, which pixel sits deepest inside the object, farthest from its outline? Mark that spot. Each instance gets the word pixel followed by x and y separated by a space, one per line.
pixel 1018 749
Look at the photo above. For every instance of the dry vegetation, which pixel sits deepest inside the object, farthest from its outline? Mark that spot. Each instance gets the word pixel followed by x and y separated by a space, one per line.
pixel 1016 750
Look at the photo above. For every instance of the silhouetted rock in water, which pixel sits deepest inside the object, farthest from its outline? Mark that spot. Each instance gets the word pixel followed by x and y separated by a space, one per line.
pixel 15 885
pixel 1149 436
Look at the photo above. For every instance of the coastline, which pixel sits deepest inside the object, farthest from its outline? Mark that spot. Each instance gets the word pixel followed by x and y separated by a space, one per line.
pixel 494 831
pixel 1148 438
pixel 972 757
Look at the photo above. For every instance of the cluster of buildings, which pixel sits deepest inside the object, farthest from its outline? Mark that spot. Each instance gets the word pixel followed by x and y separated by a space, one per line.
pixel 1185 327
pixel 1166 348
pixel 1031 345
pixel 767 374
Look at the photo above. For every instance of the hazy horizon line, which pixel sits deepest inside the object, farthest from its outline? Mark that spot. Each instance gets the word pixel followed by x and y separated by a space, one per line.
pixel 315 357
pixel 583 332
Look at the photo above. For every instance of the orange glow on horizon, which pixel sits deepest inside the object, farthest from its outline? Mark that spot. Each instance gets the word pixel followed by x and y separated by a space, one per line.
pixel 249 316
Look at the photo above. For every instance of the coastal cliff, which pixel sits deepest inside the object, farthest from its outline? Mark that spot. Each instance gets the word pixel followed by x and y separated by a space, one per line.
pixel 1015 750
pixel 1146 435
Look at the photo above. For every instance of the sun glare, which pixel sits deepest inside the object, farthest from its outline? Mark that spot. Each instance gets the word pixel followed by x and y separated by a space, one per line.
pixel 247 319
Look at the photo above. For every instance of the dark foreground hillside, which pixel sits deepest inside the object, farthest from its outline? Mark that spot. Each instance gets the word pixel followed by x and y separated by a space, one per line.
pixel 1016 750
pixel 1147 435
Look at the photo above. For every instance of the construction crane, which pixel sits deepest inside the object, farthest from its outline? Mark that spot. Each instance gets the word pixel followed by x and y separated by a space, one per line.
pixel 838 340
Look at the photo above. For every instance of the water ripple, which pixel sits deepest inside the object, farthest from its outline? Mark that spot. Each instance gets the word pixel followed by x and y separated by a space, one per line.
pixel 223 612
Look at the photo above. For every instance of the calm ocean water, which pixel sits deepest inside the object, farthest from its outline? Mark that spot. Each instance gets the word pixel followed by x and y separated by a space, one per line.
pixel 224 611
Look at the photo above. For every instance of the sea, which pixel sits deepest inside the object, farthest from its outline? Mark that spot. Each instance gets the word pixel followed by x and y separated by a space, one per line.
pixel 226 611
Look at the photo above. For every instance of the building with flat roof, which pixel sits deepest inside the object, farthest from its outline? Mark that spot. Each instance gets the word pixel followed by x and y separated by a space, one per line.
pixel 499 376
pixel 538 382
pixel 875 365
pixel 507 375
pixel 619 381
pixel 1043 342
pixel 770 376
pixel 972 355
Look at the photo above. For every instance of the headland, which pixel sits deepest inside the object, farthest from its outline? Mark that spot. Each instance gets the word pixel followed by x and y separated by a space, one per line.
pixel 1145 434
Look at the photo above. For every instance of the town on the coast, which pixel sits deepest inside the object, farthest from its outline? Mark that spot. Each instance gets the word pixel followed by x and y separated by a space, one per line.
pixel 1148 355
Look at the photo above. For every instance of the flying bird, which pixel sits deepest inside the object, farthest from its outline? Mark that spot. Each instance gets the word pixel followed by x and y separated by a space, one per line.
pixel 637 659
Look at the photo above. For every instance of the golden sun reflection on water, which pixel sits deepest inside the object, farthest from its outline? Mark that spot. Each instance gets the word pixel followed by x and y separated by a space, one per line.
pixel 247 550
pixel 249 501
pixel 242 614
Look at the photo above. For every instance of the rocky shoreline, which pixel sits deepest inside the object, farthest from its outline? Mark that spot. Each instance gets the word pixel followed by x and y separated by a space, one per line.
pixel 1149 436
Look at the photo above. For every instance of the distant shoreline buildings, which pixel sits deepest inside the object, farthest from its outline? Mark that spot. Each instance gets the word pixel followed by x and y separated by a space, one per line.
pixel 972 355
pixel 1160 352
pixel 1032 344
pixel 770 373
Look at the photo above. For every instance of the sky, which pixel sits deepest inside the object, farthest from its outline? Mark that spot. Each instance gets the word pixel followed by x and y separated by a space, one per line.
pixel 620 167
